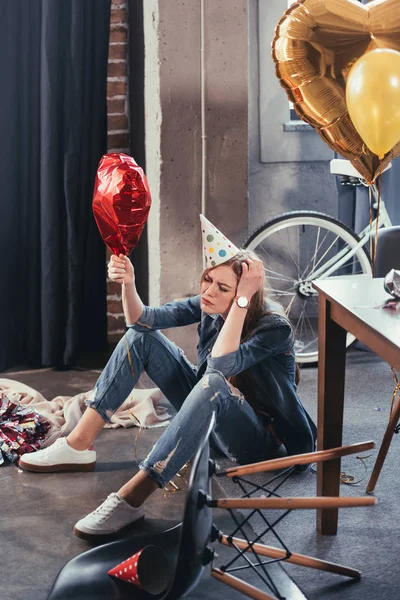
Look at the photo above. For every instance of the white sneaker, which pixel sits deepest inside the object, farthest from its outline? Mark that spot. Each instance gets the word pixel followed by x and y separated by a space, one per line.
pixel 60 456
pixel 108 519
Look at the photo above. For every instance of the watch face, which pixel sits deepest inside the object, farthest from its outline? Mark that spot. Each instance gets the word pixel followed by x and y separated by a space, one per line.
pixel 242 301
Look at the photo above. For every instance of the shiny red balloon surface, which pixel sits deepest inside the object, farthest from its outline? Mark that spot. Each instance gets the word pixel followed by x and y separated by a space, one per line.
pixel 121 202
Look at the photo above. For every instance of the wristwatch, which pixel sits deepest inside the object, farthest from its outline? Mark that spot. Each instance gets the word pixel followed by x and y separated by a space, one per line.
pixel 242 301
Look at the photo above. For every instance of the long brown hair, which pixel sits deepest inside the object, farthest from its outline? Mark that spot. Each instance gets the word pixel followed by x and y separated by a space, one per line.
pixel 257 309
pixel 257 303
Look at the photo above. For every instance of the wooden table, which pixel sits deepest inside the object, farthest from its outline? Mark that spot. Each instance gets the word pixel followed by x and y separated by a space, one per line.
pixel 346 304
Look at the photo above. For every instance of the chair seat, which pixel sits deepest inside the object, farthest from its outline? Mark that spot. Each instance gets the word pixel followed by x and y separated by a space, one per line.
pixel 85 576
pixel 388 250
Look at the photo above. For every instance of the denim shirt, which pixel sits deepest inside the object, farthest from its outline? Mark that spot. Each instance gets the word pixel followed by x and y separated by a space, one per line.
pixel 267 353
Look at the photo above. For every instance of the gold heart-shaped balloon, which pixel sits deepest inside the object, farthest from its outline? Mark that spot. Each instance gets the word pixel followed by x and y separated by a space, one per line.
pixel 315 45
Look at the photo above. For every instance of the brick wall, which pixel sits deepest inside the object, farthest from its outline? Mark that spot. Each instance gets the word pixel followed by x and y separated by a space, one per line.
pixel 118 135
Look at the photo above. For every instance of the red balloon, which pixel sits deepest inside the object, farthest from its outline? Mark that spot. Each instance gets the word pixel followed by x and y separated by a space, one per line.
pixel 121 202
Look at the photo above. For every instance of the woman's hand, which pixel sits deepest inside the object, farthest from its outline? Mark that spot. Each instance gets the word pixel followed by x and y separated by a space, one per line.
pixel 120 269
pixel 252 278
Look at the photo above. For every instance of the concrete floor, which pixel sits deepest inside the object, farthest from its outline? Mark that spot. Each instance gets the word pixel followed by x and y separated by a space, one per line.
pixel 38 511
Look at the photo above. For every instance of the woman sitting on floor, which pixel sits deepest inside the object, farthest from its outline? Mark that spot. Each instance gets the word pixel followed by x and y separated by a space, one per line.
pixel 246 373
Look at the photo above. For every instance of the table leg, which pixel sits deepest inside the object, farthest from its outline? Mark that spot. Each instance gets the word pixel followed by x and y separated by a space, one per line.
pixel 394 419
pixel 331 377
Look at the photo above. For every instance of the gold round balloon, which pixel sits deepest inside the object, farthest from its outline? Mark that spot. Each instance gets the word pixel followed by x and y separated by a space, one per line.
pixel 316 44
pixel 373 99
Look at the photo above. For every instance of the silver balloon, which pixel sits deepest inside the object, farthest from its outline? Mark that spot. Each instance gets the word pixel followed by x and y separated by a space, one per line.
pixel 392 283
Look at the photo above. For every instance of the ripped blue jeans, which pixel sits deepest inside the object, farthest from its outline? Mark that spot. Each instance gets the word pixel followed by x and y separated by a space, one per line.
pixel 239 432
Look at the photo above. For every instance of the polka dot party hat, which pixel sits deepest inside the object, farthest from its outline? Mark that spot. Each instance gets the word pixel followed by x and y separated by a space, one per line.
pixel 217 249
pixel 149 569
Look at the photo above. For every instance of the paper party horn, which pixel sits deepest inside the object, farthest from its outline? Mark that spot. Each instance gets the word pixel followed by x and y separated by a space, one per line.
pixel 149 569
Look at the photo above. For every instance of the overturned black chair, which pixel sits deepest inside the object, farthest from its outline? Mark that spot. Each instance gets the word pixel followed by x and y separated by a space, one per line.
pixel 85 576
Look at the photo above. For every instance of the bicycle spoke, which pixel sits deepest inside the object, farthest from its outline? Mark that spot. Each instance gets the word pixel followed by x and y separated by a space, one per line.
pixel 290 306
pixel 282 292
pixel 297 264
pixel 301 319
pixel 311 327
pixel 313 258
pixel 297 248
pixel 323 256
pixel 302 331
pixel 279 278
pixel 262 251
pixel 319 231
pixel 311 345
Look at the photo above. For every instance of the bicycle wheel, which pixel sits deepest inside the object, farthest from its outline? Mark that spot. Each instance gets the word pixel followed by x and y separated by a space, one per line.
pixel 297 248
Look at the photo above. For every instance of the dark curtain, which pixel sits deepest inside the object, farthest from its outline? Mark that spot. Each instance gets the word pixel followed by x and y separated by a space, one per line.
pixel 53 57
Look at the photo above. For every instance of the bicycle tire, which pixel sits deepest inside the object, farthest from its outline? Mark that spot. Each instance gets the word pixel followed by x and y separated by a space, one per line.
pixel 280 265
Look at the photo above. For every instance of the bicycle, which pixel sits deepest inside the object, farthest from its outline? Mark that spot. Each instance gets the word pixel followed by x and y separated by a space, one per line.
pixel 301 246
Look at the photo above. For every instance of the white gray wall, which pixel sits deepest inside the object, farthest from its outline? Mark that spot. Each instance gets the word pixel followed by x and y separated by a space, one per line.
pixel 173 83
pixel 254 170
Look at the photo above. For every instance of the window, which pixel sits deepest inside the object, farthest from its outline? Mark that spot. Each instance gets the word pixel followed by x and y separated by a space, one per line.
pixel 284 137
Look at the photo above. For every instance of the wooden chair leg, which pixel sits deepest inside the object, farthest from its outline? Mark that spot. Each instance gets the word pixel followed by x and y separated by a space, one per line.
pixel 292 503
pixel 383 450
pixel 240 586
pixel 295 558
pixel 275 464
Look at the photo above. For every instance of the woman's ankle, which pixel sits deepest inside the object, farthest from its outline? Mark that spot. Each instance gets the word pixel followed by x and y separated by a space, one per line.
pixel 78 444
pixel 86 430
pixel 131 500
pixel 136 491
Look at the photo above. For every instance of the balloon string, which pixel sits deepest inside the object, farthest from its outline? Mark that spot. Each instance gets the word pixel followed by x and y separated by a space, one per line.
pixel 350 479
pixel 172 487
pixel 132 415
pixel 346 478
pixel 395 391
pixel 377 227
pixel 370 224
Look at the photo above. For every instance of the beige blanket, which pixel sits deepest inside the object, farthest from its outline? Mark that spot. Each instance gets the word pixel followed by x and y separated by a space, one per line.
pixel 63 412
